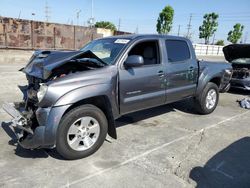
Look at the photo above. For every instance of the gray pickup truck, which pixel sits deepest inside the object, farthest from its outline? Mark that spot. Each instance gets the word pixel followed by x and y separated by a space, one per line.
pixel 73 98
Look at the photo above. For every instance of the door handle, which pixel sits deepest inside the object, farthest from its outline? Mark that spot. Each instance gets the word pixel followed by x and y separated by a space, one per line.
pixel 160 73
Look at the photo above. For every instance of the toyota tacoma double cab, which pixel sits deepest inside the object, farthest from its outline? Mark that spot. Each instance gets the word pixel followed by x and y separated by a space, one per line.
pixel 73 98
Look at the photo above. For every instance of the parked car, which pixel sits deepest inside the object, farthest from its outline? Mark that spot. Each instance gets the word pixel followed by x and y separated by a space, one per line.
pixel 73 98
pixel 239 56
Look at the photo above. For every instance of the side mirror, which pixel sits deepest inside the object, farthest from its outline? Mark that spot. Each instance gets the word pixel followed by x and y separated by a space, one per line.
pixel 134 61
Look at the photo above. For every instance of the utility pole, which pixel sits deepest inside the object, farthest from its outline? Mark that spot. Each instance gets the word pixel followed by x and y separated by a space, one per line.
pixel 19 14
pixel 179 27
pixel 92 19
pixel 33 16
pixel 92 8
pixel 119 24
pixel 189 25
pixel 137 30
pixel 68 21
pixel 47 12
pixel 213 38
pixel 245 38
pixel 241 39
pixel 77 16
pixel 32 32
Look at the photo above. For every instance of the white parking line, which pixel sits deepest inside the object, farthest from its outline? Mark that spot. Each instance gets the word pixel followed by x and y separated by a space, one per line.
pixel 217 169
pixel 152 150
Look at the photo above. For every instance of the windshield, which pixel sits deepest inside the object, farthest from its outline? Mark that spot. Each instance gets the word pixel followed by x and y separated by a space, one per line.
pixel 106 49
pixel 242 60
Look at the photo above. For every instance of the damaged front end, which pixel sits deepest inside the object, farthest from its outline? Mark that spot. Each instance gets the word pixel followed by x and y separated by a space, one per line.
pixel 34 119
pixel 25 126
pixel 241 76
pixel 239 56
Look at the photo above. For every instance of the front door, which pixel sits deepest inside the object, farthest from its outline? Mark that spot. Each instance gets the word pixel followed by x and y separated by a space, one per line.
pixel 143 87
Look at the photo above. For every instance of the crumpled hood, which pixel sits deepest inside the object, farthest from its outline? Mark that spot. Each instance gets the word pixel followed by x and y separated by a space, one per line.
pixel 42 63
pixel 235 51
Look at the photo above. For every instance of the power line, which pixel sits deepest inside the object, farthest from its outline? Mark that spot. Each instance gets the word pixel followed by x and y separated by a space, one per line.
pixel 231 13
pixel 235 20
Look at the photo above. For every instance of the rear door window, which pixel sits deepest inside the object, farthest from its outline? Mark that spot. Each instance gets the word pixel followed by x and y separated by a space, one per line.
pixel 177 50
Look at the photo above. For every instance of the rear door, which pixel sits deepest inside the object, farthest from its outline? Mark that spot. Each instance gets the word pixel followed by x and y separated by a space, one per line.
pixel 181 70
pixel 143 87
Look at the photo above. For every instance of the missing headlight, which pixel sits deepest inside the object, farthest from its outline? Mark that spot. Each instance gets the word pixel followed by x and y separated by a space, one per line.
pixel 42 91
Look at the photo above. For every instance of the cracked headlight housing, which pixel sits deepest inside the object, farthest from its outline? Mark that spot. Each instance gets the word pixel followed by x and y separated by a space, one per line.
pixel 41 92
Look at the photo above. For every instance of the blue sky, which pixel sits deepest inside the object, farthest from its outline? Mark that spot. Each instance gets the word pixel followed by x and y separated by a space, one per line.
pixel 133 13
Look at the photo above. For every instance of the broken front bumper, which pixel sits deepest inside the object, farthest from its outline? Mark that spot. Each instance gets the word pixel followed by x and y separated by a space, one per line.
pixel 43 136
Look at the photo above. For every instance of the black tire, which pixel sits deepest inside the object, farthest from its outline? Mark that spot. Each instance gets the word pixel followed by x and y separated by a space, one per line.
pixel 200 101
pixel 68 119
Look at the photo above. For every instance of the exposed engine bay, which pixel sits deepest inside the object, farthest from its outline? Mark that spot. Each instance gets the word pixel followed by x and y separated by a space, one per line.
pixel 241 68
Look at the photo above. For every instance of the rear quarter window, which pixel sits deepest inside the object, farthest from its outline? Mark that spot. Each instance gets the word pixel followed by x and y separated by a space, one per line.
pixel 177 50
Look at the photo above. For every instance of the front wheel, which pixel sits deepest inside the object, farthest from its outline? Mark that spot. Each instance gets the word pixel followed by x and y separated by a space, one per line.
pixel 207 101
pixel 81 132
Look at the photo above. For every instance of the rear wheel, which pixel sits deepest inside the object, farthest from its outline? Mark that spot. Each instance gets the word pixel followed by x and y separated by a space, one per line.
pixel 207 101
pixel 81 132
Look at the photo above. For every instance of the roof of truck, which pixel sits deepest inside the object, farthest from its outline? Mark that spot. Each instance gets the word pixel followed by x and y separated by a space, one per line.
pixel 135 36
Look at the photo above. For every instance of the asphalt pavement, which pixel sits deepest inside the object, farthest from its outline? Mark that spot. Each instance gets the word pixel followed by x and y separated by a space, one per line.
pixel 167 146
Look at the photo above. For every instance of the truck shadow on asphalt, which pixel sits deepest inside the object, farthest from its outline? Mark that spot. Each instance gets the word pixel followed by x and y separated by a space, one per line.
pixel 134 118
pixel 239 92
pixel 185 106
pixel 19 151
pixel 228 168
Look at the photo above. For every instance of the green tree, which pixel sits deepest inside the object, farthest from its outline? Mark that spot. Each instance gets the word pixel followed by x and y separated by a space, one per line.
pixel 165 20
pixel 220 43
pixel 235 34
pixel 106 25
pixel 209 26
